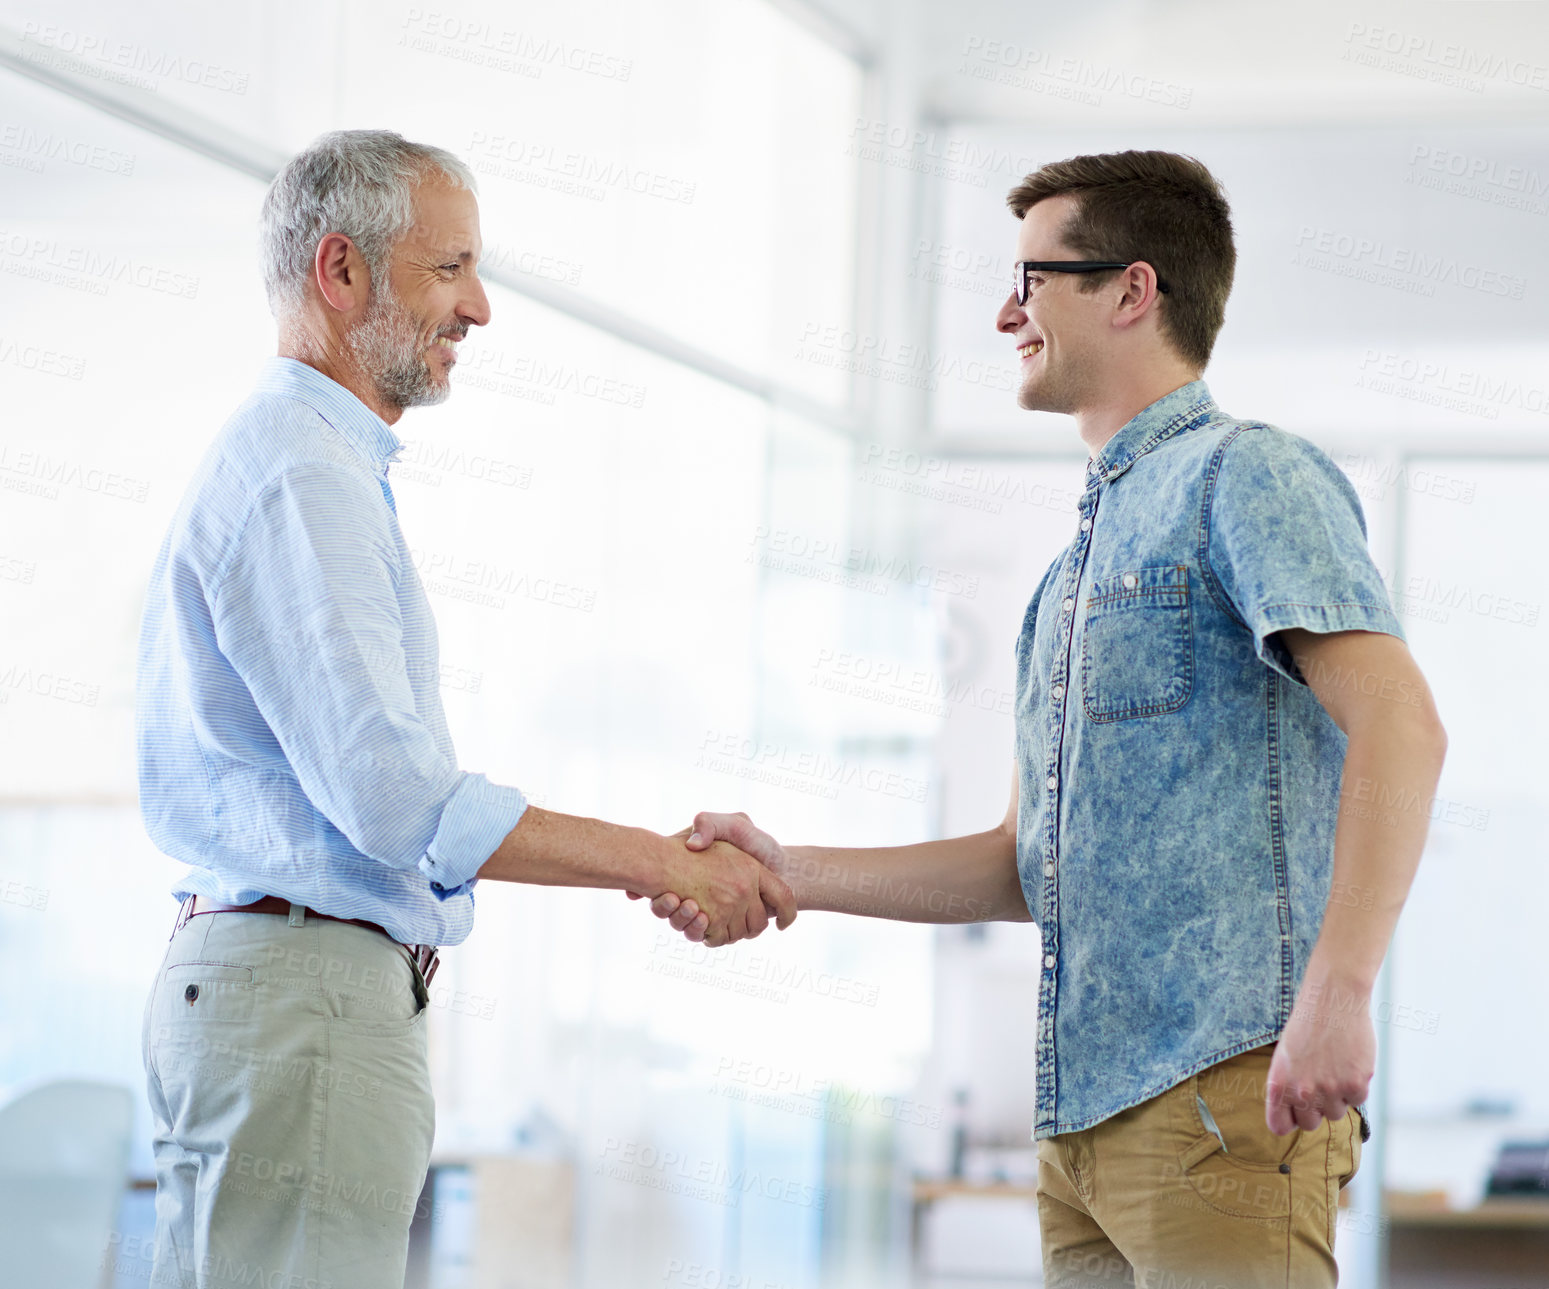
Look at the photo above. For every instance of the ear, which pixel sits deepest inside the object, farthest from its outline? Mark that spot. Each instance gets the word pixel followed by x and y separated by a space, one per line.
pixel 1139 294
pixel 340 272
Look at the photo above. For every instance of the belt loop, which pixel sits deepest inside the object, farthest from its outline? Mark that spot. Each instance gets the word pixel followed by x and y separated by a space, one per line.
pixel 184 910
pixel 298 915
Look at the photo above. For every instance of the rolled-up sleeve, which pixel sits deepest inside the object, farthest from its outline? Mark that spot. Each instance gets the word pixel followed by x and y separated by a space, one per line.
pixel 306 611
pixel 1286 544
pixel 475 819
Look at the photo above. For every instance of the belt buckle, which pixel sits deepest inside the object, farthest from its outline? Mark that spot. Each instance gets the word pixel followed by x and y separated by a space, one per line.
pixel 427 958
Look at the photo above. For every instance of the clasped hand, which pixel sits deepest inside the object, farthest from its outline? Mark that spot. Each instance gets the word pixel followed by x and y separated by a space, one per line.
pixel 727 883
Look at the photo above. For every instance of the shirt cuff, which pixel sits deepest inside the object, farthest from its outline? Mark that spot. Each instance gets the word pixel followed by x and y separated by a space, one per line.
pixel 474 822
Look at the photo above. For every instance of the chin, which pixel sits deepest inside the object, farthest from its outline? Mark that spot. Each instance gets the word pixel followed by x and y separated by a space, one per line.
pixel 431 395
pixel 1029 400
pixel 1038 397
pixel 426 391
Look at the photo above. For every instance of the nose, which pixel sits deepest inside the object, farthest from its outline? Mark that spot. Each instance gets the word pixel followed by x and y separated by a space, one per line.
pixel 474 309
pixel 1011 316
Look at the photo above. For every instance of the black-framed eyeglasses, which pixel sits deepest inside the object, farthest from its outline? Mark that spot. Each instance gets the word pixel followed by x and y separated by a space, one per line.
pixel 1022 268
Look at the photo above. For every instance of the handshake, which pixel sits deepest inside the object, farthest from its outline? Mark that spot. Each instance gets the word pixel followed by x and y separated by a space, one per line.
pixel 724 882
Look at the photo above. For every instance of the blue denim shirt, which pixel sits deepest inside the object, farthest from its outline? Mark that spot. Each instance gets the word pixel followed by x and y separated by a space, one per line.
pixel 1179 781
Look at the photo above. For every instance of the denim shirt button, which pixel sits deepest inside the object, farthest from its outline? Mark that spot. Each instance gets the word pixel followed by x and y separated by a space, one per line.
pixel 1130 581
pixel 1048 868
pixel 1053 782
pixel 1068 605
pixel 1086 525
pixel 1048 959
pixel 1056 691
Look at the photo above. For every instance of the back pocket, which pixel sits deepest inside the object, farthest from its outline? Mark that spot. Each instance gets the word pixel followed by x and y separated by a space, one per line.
pixel 1137 650
pixel 206 991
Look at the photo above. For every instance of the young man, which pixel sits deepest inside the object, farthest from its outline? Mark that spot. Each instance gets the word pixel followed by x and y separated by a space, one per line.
pixel 294 753
pixel 1211 684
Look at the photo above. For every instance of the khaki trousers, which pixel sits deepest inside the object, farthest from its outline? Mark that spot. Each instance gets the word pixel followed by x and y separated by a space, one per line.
pixel 1151 1198
pixel 287 1071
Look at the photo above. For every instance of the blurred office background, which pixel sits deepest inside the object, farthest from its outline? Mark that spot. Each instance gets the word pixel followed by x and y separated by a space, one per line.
pixel 732 508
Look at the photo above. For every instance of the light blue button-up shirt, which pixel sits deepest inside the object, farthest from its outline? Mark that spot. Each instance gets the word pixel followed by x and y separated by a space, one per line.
pixel 1179 781
pixel 290 733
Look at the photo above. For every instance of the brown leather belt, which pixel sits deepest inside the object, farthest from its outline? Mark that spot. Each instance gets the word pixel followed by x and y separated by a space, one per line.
pixel 425 956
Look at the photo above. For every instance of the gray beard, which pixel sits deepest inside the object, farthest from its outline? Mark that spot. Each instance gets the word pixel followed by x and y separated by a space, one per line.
pixel 385 344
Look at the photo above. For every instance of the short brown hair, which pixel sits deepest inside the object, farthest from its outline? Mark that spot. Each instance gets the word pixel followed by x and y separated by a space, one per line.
pixel 1159 207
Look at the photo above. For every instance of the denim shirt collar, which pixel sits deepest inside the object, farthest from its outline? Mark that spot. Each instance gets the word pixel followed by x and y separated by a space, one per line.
pixel 362 428
pixel 1185 406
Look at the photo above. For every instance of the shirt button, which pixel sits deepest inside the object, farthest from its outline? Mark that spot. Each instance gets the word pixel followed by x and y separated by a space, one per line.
pixel 1048 869
pixel 1130 581
pixel 1068 605
pixel 1052 782
pixel 1057 691
pixel 1086 525
pixel 1048 959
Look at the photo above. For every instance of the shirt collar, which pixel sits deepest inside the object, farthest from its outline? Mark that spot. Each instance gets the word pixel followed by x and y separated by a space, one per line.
pixel 362 428
pixel 1185 407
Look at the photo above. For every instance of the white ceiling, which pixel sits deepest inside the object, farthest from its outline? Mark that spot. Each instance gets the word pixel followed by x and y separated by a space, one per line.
pixel 1244 62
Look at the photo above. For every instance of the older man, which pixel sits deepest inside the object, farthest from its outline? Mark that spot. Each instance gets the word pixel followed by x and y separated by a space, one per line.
pixel 294 753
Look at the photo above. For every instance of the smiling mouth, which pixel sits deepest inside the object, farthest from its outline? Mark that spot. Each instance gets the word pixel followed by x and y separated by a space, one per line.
pixel 1027 351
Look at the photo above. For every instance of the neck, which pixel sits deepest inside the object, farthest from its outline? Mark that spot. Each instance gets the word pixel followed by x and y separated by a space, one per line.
pixel 328 355
pixel 1123 399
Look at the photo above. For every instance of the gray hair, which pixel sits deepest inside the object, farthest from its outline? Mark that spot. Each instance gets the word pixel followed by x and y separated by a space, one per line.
pixel 356 182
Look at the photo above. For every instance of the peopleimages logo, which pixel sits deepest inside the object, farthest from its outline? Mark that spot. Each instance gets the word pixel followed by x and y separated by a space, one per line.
pixel 1372 479
pixel 898 362
pixel 1484 179
pixel 504 49
pixel 1452 386
pixel 1427 58
pixel 798 769
pixel 707 1179
pixel 589 176
pixel 972 485
pixel 86 268
pixel 896 684
pixel 1372 259
pixel 940 156
pixel 129 63
pixel 798 1092
pixel 832 559
pixel 1065 76
pixel 49 146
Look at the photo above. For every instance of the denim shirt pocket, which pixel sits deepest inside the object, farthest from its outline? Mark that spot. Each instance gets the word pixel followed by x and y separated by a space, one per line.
pixel 1137 647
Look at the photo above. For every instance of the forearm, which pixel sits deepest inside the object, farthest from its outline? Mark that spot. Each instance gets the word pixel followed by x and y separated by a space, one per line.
pixel 964 879
pixel 551 849
pixel 1389 780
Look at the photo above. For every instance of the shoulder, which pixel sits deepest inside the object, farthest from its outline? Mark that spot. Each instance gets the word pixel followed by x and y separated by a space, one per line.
pixel 274 447
pixel 1269 445
pixel 271 436
pixel 1259 470
pixel 1250 456
pixel 278 468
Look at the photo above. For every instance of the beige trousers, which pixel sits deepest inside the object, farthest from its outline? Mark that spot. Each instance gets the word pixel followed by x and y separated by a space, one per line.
pixel 287 1071
pixel 1152 1198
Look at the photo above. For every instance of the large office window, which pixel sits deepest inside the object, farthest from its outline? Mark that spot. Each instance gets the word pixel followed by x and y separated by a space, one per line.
pixel 604 533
